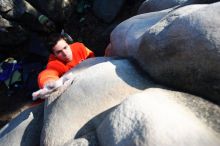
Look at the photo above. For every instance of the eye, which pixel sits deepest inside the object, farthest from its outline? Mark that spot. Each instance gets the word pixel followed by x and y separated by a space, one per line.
pixel 65 48
pixel 58 52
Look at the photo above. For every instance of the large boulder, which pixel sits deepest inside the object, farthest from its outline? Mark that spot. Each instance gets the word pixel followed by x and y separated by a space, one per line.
pixel 179 44
pixel 182 50
pixel 158 5
pixel 85 110
pixel 126 37
pixel 159 117
pixel 93 91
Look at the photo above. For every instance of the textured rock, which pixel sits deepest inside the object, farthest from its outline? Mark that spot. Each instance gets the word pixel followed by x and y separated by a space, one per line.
pixel 85 111
pixel 158 117
pixel 12 8
pixel 182 50
pixel 126 37
pixel 11 33
pixel 158 5
pixel 93 91
pixel 177 47
pixel 57 10
pixel 78 142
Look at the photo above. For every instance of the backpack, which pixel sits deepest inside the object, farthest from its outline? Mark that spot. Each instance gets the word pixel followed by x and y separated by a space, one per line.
pixel 19 76
pixel 10 71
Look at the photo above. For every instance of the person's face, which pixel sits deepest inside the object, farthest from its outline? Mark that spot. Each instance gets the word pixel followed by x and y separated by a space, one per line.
pixel 63 51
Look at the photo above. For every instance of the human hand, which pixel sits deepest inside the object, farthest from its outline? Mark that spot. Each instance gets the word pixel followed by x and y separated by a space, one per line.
pixel 47 89
pixel 40 94
pixel 47 23
pixel 51 84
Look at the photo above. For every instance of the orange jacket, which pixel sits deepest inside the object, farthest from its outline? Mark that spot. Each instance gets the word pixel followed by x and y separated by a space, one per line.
pixel 56 68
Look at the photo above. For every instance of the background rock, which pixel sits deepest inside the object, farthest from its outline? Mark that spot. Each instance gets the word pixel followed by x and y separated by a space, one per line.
pixel 11 33
pixel 182 50
pixel 58 10
pixel 107 10
pixel 13 9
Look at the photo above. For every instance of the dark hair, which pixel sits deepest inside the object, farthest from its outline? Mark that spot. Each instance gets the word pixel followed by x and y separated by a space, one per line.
pixel 52 41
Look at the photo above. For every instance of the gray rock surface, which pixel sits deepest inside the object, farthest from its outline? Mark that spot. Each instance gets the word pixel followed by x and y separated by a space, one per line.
pixel 158 5
pixel 17 17
pixel 11 33
pixel 182 50
pixel 20 11
pixel 77 142
pixel 179 44
pixel 95 90
pixel 158 117
pixel 111 101
pixel 126 37
pixel 57 10
pixel 12 8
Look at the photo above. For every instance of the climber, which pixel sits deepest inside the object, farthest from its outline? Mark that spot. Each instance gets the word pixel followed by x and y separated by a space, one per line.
pixel 64 55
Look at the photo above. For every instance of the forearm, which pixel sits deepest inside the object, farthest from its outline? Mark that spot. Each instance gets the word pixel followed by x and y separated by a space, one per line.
pixel 46 76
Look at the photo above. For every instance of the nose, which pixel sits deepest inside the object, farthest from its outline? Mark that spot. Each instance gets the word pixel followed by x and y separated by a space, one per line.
pixel 64 52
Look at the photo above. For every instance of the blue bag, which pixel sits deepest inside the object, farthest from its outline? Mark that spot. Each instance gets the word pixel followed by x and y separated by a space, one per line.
pixel 7 68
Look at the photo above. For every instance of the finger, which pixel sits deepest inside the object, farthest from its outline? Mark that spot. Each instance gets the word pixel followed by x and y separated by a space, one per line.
pixel 50 86
pixel 35 95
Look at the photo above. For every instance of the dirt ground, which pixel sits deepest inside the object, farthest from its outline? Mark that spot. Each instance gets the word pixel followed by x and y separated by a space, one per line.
pixel 84 27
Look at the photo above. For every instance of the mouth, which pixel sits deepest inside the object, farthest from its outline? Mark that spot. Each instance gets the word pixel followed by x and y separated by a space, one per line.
pixel 67 59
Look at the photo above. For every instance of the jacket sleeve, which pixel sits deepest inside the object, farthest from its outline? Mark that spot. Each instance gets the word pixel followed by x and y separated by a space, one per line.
pixel 53 71
pixel 82 51
pixel 47 75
